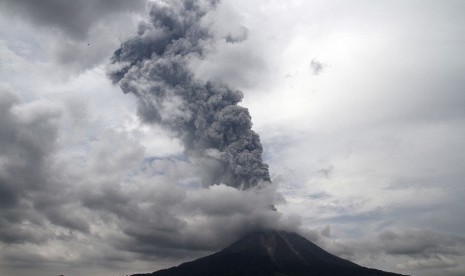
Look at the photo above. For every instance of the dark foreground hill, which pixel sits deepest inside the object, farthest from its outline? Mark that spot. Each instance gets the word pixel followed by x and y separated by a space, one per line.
pixel 271 253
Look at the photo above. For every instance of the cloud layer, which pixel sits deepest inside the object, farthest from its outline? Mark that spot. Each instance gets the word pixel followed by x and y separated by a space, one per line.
pixel 367 155
pixel 105 197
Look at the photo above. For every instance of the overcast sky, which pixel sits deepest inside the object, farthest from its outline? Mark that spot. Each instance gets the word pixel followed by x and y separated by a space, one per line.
pixel 360 108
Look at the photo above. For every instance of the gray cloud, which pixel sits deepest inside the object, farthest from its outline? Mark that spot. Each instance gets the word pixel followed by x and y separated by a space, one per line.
pixel 424 250
pixel 73 17
pixel 238 36
pixel 326 232
pixel 420 242
pixel 76 35
pixel 317 66
pixel 234 57
pixel 436 263
pixel 403 250
pixel 83 205
pixel 175 222
pixel 27 141
pixel 92 213
pixel 237 65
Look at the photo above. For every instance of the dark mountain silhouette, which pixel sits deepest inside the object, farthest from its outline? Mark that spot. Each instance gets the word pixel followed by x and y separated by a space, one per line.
pixel 271 253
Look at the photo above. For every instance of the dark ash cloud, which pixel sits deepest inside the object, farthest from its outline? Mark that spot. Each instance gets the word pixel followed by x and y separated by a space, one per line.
pixel 154 66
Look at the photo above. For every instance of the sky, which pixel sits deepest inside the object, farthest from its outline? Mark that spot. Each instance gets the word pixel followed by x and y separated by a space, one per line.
pixel 359 105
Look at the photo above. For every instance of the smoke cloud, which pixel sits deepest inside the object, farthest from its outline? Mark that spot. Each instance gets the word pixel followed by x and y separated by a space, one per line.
pixel 317 67
pixel 215 130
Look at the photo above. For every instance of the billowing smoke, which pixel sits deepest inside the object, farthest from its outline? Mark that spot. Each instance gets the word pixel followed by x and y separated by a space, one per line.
pixel 154 66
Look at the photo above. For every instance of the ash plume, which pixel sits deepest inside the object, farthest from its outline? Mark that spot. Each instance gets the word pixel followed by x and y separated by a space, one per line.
pixel 154 66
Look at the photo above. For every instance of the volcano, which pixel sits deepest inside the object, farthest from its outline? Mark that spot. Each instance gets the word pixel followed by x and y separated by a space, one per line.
pixel 271 253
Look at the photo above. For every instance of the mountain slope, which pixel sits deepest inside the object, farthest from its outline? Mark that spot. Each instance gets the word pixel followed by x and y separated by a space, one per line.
pixel 271 253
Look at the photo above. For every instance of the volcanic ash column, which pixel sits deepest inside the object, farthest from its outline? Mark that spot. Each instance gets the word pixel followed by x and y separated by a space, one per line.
pixel 205 115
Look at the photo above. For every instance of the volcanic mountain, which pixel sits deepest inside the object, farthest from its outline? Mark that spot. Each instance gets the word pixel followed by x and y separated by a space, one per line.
pixel 271 253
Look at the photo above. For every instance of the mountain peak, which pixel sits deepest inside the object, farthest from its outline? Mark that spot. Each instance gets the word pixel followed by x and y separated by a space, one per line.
pixel 271 253
pixel 281 247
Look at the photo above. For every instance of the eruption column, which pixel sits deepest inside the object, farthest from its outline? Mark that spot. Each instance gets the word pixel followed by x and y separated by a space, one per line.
pixel 205 115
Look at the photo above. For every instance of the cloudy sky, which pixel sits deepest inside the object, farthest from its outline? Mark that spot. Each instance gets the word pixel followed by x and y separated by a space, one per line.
pixel 360 108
